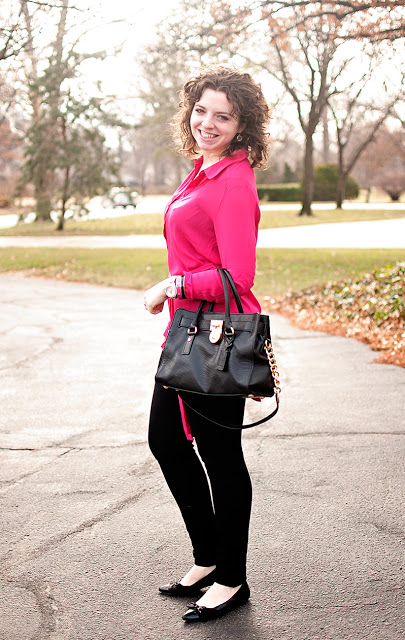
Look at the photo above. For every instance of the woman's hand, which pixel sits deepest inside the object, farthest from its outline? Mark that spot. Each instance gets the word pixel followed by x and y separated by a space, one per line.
pixel 154 298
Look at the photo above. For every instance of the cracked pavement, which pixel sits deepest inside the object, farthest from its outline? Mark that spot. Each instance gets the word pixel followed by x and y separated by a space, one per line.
pixel 89 530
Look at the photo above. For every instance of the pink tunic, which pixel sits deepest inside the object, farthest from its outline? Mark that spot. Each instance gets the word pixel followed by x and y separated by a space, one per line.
pixel 212 221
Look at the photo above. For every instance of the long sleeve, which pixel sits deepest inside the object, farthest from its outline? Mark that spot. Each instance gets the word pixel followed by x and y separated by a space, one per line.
pixel 235 227
pixel 212 221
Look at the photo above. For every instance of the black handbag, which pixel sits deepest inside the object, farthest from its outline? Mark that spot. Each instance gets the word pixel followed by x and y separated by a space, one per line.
pixel 220 354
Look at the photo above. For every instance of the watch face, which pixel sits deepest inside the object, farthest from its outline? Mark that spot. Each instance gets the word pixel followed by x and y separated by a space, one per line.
pixel 171 291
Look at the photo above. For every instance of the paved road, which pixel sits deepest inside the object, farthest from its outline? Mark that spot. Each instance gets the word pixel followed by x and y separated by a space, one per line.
pixel 372 234
pixel 88 527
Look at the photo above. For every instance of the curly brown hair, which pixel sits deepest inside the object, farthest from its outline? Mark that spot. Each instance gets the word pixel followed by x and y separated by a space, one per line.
pixel 249 106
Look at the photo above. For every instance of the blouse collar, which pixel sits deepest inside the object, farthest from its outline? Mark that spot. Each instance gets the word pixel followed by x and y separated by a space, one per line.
pixel 216 168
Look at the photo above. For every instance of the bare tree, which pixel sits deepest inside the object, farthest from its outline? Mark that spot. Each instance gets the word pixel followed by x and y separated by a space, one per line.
pixel 13 37
pixel 391 175
pixel 311 65
pixel 374 20
pixel 360 111
pixel 382 163
pixel 349 155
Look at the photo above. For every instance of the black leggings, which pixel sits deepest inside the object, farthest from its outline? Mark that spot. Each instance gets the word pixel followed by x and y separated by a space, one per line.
pixel 218 527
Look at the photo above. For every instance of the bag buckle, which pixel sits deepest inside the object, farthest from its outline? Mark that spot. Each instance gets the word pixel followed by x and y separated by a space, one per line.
pixel 216 327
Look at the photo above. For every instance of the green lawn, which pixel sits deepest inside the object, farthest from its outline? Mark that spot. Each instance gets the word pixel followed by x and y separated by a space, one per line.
pixel 152 223
pixel 141 223
pixel 272 219
pixel 278 270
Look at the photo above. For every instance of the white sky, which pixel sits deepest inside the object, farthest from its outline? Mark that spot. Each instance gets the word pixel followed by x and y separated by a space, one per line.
pixel 139 18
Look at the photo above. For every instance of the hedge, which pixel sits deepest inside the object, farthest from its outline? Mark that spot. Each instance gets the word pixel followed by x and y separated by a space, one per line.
pixel 325 187
pixel 279 192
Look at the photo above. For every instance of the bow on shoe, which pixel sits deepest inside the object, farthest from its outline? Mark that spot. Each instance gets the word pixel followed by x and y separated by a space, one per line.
pixel 198 608
pixel 198 613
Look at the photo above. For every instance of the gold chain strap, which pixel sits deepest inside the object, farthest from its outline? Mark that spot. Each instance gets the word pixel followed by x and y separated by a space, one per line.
pixel 273 366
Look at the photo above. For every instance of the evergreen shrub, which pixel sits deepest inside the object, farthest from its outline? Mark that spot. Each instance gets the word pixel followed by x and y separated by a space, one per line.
pixel 279 192
pixel 326 181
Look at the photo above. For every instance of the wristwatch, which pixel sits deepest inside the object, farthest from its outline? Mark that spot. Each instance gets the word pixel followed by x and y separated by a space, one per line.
pixel 175 288
pixel 171 289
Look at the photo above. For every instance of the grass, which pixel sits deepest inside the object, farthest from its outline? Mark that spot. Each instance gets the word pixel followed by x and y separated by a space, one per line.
pixel 135 269
pixel 279 271
pixel 152 223
pixel 272 219
pixel 139 224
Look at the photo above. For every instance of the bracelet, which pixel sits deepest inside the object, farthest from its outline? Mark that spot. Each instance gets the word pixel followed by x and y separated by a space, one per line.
pixel 179 284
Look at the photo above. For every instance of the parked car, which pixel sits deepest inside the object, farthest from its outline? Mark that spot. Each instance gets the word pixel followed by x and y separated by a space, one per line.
pixel 123 197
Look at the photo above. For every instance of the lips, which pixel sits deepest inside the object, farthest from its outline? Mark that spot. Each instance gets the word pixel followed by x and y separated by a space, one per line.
pixel 207 136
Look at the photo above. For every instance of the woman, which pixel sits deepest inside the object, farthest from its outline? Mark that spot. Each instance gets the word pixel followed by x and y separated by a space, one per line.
pixel 211 221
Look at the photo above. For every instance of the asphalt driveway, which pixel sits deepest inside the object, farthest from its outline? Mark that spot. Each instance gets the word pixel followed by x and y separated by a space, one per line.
pixel 89 530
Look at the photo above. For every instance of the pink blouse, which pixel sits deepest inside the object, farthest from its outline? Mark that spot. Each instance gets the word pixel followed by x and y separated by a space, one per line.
pixel 212 221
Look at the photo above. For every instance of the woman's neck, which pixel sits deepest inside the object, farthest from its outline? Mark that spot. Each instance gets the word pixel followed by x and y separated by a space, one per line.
pixel 207 162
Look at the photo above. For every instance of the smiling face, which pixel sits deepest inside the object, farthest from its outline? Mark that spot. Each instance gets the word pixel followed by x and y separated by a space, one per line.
pixel 213 124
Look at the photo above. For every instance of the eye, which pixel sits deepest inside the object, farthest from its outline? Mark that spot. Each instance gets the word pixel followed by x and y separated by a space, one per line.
pixel 198 110
pixel 223 117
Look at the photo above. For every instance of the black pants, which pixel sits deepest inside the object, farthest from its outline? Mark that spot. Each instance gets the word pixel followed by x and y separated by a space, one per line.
pixel 218 526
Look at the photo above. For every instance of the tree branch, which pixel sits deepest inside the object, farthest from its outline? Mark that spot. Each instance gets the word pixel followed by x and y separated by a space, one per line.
pixel 369 138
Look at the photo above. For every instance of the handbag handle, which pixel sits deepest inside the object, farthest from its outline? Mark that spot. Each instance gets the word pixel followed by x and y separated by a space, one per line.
pixel 225 279
pixel 233 288
pixel 228 328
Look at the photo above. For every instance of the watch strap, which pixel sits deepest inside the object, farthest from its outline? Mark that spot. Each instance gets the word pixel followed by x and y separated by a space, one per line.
pixel 179 281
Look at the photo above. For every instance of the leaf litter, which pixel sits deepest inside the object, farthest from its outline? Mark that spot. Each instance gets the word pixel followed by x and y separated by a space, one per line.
pixel 370 308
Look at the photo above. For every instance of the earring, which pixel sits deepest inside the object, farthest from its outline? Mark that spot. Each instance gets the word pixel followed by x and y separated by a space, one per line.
pixel 239 137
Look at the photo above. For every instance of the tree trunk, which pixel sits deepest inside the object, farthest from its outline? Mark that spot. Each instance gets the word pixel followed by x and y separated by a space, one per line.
pixel 325 132
pixel 308 188
pixel 42 182
pixel 44 205
pixel 61 220
pixel 341 189
pixel 66 183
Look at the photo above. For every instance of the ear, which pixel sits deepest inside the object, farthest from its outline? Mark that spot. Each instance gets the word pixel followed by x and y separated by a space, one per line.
pixel 241 127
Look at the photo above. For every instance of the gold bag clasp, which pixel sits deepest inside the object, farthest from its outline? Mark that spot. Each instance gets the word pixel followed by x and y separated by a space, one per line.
pixel 216 327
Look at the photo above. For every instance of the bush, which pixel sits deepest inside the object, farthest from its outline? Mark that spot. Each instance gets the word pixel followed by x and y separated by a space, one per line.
pixel 325 188
pixel 5 202
pixel 326 181
pixel 279 192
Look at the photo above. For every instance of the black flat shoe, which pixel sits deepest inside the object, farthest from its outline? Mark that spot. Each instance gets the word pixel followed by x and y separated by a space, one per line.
pixel 198 613
pixel 179 590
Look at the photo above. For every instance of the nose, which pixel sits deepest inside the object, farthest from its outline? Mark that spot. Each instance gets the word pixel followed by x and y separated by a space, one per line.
pixel 207 121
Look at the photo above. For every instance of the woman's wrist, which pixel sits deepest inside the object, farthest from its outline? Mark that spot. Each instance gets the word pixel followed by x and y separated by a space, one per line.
pixel 180 287
pixel 175 287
